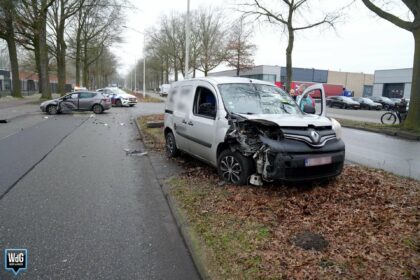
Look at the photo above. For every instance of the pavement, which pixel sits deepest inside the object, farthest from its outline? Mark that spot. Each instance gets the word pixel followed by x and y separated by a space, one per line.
pixel 82 207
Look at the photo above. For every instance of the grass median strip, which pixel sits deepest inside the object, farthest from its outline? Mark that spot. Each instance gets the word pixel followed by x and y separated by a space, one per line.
pixel 369 218
pixel 381 128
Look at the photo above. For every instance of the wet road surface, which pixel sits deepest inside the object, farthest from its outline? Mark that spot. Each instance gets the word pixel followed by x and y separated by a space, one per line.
pixel 81 206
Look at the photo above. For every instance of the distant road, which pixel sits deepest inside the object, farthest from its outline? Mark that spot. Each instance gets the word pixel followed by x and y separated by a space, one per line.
pixel 356 115
pixel 398 156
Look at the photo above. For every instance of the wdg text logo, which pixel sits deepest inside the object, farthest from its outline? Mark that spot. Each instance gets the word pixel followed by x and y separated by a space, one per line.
pixel 15 260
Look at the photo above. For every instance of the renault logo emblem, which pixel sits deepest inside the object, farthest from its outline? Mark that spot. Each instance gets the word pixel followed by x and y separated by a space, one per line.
pixel 314 136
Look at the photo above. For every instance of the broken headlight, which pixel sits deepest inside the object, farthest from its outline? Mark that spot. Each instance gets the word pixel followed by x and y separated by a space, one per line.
pixel 336 126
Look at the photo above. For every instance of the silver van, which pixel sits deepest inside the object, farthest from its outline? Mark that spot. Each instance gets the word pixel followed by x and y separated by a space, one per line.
pixel 252 131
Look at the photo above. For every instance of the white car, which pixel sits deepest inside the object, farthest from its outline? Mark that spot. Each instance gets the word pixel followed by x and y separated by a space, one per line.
pixel 252 131
pixel 119 97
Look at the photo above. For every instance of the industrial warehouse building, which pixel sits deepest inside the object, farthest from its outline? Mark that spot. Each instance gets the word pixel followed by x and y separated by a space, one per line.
pixel 394 83
pixel 361 84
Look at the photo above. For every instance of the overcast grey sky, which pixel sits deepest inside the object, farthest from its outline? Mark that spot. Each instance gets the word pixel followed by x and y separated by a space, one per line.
pixel 361 43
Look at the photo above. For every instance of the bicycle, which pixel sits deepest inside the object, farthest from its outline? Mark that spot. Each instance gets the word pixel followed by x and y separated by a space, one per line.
pixel 391 117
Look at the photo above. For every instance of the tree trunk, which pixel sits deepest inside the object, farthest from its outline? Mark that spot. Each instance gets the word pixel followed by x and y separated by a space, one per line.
pixel 289 51
pixel 85 74
pixel 14 64
pixel 176 71
pixel 238 63
pixel 37 61
pixel 413 118
pixel 61 59
pixel 43 58
pixel 78 56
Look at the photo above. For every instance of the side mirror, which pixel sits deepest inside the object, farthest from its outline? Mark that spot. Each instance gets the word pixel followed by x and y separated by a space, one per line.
pixel 308 109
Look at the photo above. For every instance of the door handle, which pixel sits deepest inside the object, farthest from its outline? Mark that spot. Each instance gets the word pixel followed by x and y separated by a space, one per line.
pixel 184 121
pixel 190 123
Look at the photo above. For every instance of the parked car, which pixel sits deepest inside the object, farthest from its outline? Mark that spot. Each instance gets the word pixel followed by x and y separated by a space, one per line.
pixel 396 100
pixel 119 97
pixel 342 102
pixel 252 131
pixel 77 101
pixel 366 103
pixel 387 104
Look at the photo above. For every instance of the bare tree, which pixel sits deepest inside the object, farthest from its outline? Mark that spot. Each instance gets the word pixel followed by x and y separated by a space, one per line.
pixel 95 27
pixel 211 40
pixel 60 12
pixel 240 50
pixel 7 32
pixel 285 15
pixel 33 15
pixel 413 118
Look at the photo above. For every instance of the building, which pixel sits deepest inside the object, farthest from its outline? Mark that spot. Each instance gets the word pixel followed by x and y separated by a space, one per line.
pixel 361 84
pixel 4 80
pixel 261 72
pixel 29 83
pixel 393 83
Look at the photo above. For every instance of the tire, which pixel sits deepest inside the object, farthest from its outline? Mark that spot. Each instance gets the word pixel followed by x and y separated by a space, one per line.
pixel 97 109
pixel 388 118
pixel 118 103
pixel 234 168
pixel 171 149
pixel 52 110
pixel 131 105
pixel 344 106
pixel 386 107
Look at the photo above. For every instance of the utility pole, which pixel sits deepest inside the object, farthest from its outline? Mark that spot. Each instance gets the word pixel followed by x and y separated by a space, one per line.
pixel 187 41
pixel 144 65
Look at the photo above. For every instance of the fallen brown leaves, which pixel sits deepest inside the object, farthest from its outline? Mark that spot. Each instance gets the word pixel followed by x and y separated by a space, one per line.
pixel 369 217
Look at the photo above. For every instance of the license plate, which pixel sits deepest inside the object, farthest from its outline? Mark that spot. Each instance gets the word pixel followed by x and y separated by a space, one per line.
pixel 317 161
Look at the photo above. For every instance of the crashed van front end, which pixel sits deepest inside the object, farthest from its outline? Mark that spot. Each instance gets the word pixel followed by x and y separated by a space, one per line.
pixel 287 153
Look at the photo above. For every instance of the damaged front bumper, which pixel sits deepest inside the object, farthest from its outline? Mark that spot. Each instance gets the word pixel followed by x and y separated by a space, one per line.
pixel 287 160
pixel 287 153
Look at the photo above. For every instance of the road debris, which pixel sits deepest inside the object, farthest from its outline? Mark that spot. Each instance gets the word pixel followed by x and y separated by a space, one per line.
pixel 129 152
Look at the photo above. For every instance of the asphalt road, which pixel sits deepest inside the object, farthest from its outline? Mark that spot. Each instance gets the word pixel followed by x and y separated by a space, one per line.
pixel 398 156
pixel 81 206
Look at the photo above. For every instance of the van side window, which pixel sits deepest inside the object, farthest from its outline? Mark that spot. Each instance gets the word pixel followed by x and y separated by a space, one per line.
pixel 204 103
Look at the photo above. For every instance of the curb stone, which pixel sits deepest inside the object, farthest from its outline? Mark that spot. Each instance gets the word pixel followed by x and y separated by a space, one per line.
pixel 191 239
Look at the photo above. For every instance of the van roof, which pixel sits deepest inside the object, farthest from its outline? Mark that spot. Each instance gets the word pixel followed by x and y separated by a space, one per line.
pixel 225 80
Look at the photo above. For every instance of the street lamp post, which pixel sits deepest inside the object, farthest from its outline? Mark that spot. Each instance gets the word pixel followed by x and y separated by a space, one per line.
pixel 144 58
pixel 187 40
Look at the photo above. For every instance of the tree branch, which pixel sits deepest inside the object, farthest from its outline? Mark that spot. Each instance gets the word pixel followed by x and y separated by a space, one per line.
pixel 325 20
pixel 389 17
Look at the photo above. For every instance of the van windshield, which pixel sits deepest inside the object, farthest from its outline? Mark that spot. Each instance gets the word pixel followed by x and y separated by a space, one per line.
pixel 252 99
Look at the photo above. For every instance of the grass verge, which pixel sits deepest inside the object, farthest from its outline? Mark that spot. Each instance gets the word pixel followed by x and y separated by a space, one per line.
pixel 396 130
pixel 369 217
pixel 147 99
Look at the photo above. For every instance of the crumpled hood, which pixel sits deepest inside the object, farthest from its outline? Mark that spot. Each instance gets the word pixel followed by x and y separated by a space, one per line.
pixel 300 120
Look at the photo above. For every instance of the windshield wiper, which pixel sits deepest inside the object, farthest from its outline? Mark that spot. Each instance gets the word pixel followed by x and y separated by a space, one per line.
pixel 247 113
